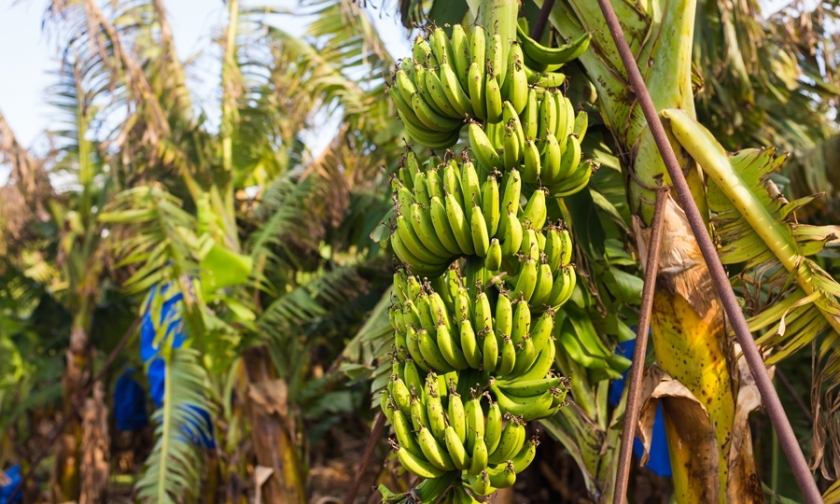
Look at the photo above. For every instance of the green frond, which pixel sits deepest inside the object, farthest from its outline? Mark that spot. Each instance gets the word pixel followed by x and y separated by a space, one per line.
pixel 157 234
pixel 313 299
pixel 173 469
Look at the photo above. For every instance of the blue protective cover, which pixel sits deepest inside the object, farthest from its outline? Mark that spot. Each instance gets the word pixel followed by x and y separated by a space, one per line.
pixel 129 403
pixel 660 461
pixel 200 428
pixel 13 473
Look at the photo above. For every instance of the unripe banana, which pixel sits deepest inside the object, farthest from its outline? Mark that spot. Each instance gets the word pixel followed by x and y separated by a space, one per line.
pixel 570 163
pixel 421 190
pixel 459 225
pixel 433 451
pixel 401 395
pixel 417 466
pixel 412 341
pixel 530 116
pixel 431 353
pixel 475 422
pixel 525 456
pixel 545 283
pixel 513 236
pixel 478 462
pixel 495 58
pixel 457 415
pixel 402 428
pixel 521 321
pixel 525 357
pixel 452 182
pixel 450 350
pixel 456 450
pixel 511 118
pixel 480 484
pixel 492 99
pixel 421 222
pixel 387 406
pixel 458 98
pixel 564 285
pixel 533 165
pixel 421 51
pixel 471 186
pixel 441 46
pixel 511 151
pixel 490 206
pixel 494 425
pixel 524 408
pixel 502 476
pixel 552 55
pixel 510 199
pixel 547 120
pixel 507 360
pixel 460 44
pixel 415 264
pixel 434 410
pixel 469 345
pixel 511 442
pixel 518 79
pixel 463 305
pixel 484 151
pixel 412 377
pixel 412 242
pixel 440 221
pixel 478 230
pixel 475 88
pixel 527 280
pixel 490 351
pixel 493 261
pixel 504 315
pixel 430 118
pixel 435 88
pixel 419 416
pixel 483 313
pixel 551 160
pixel 535 211
pixel 581 125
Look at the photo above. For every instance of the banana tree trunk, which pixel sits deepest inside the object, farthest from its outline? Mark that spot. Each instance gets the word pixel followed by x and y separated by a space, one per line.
pixel 271 432
pixel 687 322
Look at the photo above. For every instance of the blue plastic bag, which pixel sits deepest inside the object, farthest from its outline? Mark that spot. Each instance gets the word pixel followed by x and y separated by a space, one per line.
pixel 129 403
pixel 14 476
pixel 200 428
pixel 660 461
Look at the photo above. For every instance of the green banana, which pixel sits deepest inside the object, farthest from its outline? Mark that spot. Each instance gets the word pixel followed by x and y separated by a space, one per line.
pixel 413 344
pixel 490 204
pixel 552 55
pixel 475 422
pixel 433 451
pixel 460 53
pixel 440 221
pixel 494 426
pixel 532 163
pixel 525 456
pixel 450 350
pixel 458 98
pixel 416 465
pixel 401 395
pixel 490 351
pixel 511 441
pixel 507 360
pixel 478 461
pixel 455 449
pixel 430 118
pixel 511 152
pixel 412 377
pixel 551 160
pixel 527 281
pixel 502 476
pixel 535 211
pixel 435 88
pixel 471 187
pixel 457 415
pixel 459 225
pixel 402 428
pixel 419 417
pixel 525 357
pixel 434 410
pixel 412 242
pixel 421 223
pixel 479 233
pixel 483 149
pixel 492 99
pixel 528 388
pixel 513 235
pixel 493 260
pixel 475 88
pixel 431 353
pixel 530 116
pixel 469 345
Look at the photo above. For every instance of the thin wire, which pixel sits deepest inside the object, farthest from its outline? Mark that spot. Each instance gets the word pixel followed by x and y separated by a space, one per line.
pixel 775 411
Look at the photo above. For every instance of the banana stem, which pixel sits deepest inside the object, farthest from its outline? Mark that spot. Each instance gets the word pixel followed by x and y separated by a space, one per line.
pixel 787 438
pixel 631 415
pixel 375 434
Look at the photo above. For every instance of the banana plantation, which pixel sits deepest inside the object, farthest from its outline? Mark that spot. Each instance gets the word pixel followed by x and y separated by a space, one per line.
pixel 555 251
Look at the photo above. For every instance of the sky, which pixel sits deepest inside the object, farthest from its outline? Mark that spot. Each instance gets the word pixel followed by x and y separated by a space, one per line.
pixel 27 56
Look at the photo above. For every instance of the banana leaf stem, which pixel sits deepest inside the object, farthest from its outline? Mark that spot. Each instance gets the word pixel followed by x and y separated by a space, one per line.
pixel 787 438
pixel 542 20
pixel 375 434
pixel 631 415
pixel 72 413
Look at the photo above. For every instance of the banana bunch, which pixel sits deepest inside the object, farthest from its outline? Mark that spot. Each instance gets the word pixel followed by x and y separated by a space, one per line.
pixel 437 432
pixel 539 58
pixel 587 349
pixel 544 141
pixel 447 211
pixel 468 332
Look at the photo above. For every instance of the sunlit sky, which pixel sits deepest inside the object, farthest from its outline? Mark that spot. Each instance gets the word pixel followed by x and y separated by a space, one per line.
pixel 28 55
